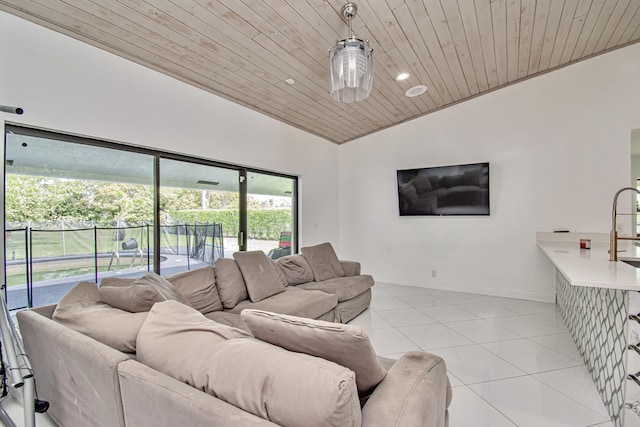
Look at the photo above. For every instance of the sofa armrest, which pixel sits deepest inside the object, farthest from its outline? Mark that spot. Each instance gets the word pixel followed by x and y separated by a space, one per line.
pixel 415 393
pixel 74 372
pixel 351 268
pixel 45 310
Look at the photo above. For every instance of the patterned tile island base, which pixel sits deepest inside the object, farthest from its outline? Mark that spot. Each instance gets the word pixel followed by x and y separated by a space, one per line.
pixel 605 325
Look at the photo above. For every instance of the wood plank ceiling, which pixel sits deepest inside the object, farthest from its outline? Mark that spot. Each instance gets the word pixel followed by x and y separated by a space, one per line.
pixel 244 50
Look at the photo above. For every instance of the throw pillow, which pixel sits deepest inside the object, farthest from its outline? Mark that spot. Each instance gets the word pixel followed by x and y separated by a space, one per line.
pixel 132 298
pixel 287 388
pixel 163 286
pixel 229 281
pixel 323 261
pixel 281 276
pixel 259 275
pixel 346 345
pixel 149 278
pixel 296 269
pixel 80 309
pixel 199 287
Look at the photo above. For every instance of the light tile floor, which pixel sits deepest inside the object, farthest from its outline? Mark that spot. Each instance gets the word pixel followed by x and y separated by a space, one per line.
pixel 511 362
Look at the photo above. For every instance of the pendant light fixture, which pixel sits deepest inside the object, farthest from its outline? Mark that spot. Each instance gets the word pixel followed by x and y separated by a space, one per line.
pixel 350 64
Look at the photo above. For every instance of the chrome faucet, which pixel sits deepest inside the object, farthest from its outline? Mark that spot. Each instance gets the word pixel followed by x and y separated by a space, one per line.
pixel 613 236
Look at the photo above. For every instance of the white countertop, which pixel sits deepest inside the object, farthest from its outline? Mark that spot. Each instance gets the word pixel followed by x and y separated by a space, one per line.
pixel 591 267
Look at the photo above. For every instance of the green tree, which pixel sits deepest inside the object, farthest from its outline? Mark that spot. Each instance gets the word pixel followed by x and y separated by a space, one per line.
pixel 131 202
pixel 32 198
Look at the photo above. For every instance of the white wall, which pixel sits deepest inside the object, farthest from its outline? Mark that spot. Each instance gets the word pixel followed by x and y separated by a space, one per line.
pixel 63 84
pixel 559 147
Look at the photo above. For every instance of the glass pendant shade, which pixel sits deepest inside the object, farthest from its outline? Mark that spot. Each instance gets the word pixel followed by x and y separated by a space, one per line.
pixel 351 70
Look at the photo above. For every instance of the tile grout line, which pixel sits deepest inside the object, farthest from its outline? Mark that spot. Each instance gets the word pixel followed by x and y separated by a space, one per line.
pixel 481 344
pixel 569 397
pixel 490 404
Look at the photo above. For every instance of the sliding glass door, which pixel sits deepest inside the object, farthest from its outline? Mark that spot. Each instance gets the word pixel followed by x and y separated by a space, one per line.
pixel 72 212
pixel 199 214
pixel 270 213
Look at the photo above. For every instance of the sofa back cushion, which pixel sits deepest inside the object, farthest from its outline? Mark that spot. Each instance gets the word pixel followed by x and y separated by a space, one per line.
pixel 287 388
pixel 296 269
pixel 140 294
pixel 323 261
pixel 199 287
pixel 171 330
pixel 230 283
pixel 116 281
pixel 132 298
pixel 162 286
pixel 82 310
pixel 345 345
pixel 259 275
pixel 279 272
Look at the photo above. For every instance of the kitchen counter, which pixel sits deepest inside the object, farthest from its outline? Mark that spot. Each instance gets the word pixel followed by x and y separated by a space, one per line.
pixel 591 267
pixel 599 300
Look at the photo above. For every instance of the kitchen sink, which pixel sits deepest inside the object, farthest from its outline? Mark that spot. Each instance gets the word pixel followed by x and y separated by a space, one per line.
pixel 634 262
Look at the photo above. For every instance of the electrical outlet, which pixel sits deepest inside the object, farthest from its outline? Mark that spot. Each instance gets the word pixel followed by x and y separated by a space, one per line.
pixel 619 227
pixel 434 273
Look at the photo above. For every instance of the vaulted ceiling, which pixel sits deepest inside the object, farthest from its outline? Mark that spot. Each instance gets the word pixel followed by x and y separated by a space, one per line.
pixel 244 50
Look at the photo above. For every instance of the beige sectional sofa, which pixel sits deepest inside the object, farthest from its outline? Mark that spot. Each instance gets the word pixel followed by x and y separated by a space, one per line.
pixel 322 288
pixel 146 352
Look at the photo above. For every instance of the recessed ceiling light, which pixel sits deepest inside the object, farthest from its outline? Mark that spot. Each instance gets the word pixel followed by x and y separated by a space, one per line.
pixel 402 76
pixel 289 81
pixel 416 90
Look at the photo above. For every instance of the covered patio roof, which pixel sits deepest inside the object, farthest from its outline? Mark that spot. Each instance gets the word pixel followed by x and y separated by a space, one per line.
pixel 36 156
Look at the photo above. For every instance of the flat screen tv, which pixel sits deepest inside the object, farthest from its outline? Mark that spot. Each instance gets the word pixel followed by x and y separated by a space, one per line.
pixel 444 190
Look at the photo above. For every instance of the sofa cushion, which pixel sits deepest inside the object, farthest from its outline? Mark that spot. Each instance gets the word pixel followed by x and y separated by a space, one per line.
pixel 323 261
pixel 294 301
pixel 80 309
pixel 132 298
pixel 258 274
pixel 349 309
pixel 171 328
pixel 346 345
pixel 287 388
pixel 344 288
pixel 199 287
pixel 227 318
pixel 116 281
pixel 230 283
pixel 279 272
pixel 168 291
pixel 296 269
